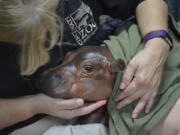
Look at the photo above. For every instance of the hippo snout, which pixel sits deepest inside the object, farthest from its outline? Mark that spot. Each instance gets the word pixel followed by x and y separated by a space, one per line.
pixel 49 83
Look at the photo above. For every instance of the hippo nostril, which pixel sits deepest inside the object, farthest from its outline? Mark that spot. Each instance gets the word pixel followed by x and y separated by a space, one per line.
pixel 49 81
pixel 58 76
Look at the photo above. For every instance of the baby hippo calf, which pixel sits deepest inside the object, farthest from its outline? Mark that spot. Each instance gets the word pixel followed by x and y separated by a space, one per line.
pixel 87 73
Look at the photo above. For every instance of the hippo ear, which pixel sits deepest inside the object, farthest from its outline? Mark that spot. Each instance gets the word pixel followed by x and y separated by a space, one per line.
pixel 117 65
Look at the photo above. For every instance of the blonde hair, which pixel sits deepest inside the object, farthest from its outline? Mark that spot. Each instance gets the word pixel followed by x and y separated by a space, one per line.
pixel 35 25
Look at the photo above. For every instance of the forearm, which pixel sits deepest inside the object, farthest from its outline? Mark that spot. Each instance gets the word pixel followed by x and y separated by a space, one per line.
pixel 15 110
pixel 152 15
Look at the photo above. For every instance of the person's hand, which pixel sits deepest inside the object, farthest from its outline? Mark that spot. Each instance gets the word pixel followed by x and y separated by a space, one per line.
pixel 142 77
pixel 66 109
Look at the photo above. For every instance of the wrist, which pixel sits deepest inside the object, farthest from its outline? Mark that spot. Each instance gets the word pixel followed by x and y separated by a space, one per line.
pixel 34 104
pixel 158 46
pixel 41 103
pixel 163 34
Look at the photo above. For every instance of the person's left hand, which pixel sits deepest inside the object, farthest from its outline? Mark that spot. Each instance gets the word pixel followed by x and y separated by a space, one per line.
pixel 143 75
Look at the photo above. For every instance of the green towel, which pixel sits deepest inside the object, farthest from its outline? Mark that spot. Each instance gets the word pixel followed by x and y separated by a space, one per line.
pixel 126 45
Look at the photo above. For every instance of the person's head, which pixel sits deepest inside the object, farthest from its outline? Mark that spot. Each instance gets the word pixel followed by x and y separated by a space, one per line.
pixel 34 25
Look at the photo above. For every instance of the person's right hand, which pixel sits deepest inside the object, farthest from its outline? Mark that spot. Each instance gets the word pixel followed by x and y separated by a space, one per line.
pixel 66 109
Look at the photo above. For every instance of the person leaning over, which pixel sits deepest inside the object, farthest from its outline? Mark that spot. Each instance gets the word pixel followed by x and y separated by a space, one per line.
pixel 31 30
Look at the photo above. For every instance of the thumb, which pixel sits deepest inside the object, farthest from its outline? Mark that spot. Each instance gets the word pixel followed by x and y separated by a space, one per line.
pixel 69 104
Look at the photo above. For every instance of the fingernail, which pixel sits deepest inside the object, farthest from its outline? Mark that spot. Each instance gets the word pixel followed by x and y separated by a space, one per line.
pixel 105 102
pixel 122 86
pixel 134 116
pixel 79 101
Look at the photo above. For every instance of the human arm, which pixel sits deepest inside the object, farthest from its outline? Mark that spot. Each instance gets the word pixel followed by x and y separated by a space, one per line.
pixel 143 75
pixel 15 110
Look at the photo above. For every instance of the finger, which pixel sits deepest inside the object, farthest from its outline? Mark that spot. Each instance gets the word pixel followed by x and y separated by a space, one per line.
pixel 69 104
pixel 129 100
pixel 150 103
pixel 138 108
pixel 88 109
pixel 127 92
pixel 149 106
pixel 124 103
pixel 128 75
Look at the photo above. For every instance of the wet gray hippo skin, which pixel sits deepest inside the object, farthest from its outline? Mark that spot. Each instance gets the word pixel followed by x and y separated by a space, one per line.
pixel 87 73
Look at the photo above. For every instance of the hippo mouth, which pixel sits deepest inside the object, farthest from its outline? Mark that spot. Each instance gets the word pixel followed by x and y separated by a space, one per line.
pixel 60 91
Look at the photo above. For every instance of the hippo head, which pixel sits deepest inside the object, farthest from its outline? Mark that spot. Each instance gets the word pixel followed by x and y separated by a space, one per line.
pixel 87 73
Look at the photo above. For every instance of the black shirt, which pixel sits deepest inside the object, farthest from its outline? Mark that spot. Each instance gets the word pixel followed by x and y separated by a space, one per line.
pixel 81 19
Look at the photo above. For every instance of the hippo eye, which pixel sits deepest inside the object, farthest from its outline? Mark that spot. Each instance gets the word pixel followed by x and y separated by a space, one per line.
pixel 88 69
